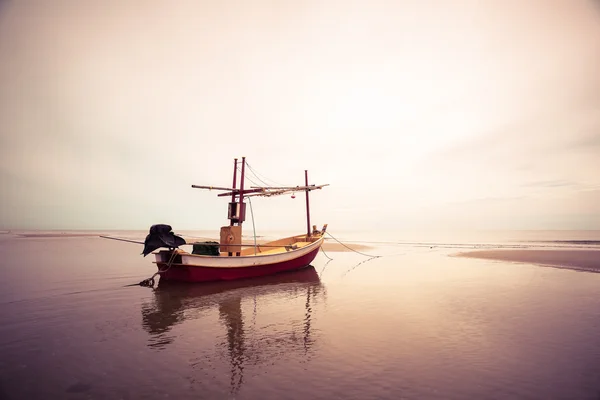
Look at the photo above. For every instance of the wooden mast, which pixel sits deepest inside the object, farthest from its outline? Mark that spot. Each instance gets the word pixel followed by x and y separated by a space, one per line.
pixel 241 199
pixel 234 184
pixel 307 205
pixel 242 182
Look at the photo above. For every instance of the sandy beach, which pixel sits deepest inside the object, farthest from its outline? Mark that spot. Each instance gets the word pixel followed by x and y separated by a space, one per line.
pixel 339 248
pixel 587 260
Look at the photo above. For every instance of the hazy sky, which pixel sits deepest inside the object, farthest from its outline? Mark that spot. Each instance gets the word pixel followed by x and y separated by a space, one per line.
pixel 420 114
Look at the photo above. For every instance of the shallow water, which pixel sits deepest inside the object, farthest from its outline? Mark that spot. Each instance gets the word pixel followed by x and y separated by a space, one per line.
pixel 414 324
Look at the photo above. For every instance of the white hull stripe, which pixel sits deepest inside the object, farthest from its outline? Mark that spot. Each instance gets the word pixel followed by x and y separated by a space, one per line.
pixel 193 260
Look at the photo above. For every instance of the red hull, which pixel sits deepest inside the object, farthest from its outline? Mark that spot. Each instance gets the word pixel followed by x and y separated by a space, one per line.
pixel 184 273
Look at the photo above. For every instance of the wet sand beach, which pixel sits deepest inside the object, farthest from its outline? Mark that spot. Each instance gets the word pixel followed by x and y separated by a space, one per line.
pixel 588 260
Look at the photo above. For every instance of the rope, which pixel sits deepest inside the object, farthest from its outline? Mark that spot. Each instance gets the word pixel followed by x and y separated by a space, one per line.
pixel 150 281
pixel 324 266
pixel 351 249
pixel 329 258
pixel 256 173
pixel 371 257
pixel 247 177
pixel 253 227
pixel 360 263
pixel 256 176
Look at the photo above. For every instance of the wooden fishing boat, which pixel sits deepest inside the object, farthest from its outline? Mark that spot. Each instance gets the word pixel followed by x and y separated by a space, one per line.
pixel 230 258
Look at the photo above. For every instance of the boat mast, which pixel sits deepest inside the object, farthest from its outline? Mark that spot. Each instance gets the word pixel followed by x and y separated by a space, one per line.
pixel 241 199
pixel 231 221
pixel 234 184
pixel 307 205
pixel 242 185
pixel 236 208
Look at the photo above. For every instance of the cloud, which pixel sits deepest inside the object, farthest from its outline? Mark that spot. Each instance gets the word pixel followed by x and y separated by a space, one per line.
pixel 590 142
pixel 489 200
pixel 552 184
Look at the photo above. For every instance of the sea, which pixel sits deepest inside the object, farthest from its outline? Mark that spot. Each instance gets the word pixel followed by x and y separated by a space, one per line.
pixel 413 323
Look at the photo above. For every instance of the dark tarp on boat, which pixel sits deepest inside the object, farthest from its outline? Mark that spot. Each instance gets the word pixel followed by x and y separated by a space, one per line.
pixel 206 249
pixel 161 236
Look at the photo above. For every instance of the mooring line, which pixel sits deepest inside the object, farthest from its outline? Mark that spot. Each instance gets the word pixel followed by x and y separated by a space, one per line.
pixel 329 258
pixel 360 263
pixel 150 281
pixel 351 249
pixel 324 266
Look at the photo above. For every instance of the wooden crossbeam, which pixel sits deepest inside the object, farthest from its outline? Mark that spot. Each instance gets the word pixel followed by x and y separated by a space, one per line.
pixel 211 187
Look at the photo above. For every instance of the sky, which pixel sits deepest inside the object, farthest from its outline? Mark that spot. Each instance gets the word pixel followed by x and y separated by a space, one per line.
pixel 420 114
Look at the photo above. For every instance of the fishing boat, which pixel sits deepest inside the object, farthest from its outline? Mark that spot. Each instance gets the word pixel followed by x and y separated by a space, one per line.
pixel 230 258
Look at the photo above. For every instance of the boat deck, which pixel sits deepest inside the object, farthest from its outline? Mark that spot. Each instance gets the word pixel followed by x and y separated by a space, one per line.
pixel 269 248
pixel 249 251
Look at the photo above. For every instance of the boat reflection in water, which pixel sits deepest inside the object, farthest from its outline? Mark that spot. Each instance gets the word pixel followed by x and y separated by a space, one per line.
pixel 261 320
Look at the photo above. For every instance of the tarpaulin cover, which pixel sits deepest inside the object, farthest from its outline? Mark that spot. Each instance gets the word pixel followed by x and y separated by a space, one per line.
pixel 161 236
pixel 206 249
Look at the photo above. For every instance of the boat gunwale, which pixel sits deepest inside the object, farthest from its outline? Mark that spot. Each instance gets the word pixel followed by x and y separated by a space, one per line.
pixel 320 239
pixel 306 249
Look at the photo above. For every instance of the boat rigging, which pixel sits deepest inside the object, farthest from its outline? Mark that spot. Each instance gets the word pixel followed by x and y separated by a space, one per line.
pixel 228 259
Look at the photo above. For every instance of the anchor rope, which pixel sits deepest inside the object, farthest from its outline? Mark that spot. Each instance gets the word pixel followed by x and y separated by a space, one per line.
pixel 150 281
pixel 324 266
pixel 351 249
pixel 357 265
pixel 329 258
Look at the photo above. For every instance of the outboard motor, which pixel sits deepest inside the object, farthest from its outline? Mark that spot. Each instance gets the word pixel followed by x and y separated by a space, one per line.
pixel 161 236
